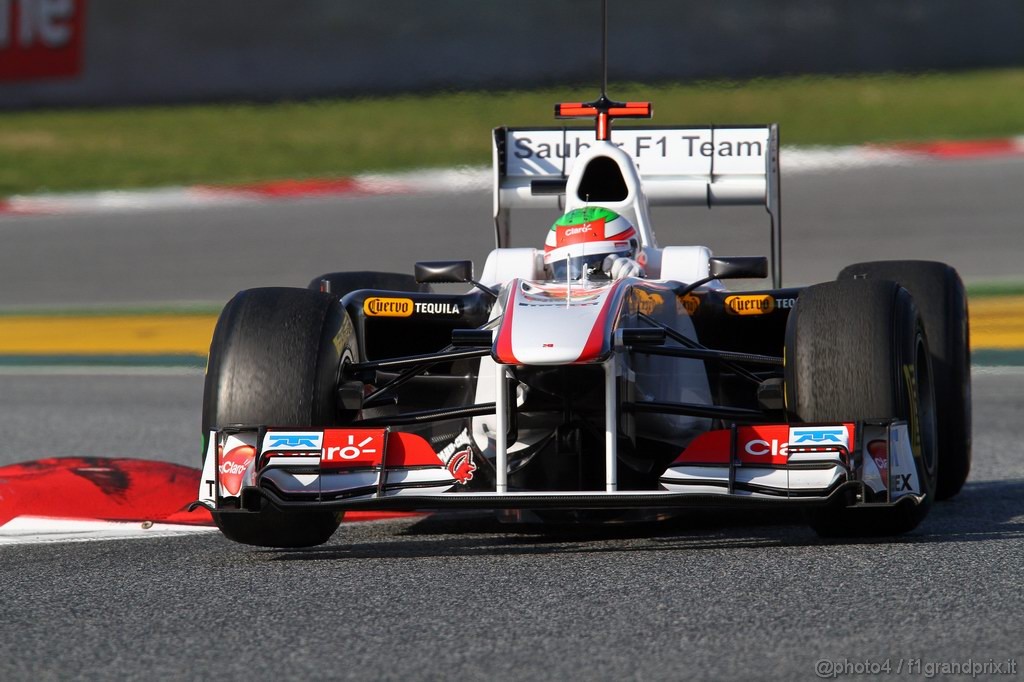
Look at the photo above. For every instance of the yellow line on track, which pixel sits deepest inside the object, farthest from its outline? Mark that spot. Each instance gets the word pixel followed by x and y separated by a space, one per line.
pixel 997 323
pixel 156 334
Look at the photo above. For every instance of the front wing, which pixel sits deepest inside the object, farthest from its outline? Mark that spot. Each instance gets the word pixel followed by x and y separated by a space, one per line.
pixel 862 463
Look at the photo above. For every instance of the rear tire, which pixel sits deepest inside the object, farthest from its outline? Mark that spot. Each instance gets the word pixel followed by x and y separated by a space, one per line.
pixel 940 298
pixel 274 360
pixel 847 346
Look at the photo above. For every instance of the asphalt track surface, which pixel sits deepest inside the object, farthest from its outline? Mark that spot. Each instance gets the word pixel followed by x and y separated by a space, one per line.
pixel 708 597
pixel 967 213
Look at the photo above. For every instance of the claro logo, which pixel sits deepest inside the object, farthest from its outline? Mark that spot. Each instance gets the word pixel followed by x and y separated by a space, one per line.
pixel 40 38
pixel 233 465
pixel 572 231
pixel 799 436
pixel 388 307
pixel 760 447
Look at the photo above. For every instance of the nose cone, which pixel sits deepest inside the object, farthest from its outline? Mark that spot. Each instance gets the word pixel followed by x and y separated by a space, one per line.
pixel 552 324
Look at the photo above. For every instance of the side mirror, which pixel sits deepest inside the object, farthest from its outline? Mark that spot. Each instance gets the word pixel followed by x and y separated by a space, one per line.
pixel 441 271
pixel 738 267
pixel 731 267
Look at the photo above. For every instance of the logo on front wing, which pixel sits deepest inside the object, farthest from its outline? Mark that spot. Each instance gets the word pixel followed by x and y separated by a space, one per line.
pixel 799 436
pixel 457 457
pixel 306 441
pixel 352 448
pixel 758 448
pixel 233 465
pixel 834 435
pixel 334 447
pixel 461 466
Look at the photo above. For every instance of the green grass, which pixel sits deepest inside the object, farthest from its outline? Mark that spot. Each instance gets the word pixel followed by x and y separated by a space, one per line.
pixel 62 150
pixel 995 288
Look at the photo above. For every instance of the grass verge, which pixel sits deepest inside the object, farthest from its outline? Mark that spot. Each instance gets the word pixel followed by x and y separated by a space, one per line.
pixel 66 150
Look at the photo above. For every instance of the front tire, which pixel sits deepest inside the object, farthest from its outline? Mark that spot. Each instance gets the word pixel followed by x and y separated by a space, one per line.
pixel 857 350
pixel 274 360
pixel 940 298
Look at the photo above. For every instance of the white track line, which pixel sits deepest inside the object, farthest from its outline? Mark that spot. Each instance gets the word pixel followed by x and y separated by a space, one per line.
pixel 997 370
pixel 35 530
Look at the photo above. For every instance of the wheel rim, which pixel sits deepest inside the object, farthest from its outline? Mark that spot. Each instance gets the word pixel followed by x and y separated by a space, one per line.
pixel 925 410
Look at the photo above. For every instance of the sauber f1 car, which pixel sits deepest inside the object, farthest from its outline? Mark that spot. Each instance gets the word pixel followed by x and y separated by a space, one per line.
pixel 581 397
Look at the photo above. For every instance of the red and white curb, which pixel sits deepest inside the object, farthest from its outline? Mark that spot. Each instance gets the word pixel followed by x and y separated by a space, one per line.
pixel 810 159
pixel 86 499
pixel 466 179
pixel 438 181
pixel 36 530
pixel 42 530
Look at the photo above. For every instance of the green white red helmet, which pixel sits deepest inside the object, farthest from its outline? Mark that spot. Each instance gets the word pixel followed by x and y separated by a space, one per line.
pixel 580 240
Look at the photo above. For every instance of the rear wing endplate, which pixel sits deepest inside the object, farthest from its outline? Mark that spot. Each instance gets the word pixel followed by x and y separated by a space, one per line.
pixel 678 166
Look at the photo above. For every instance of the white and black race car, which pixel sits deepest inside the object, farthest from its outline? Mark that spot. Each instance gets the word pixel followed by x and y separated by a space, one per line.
pixel 592 398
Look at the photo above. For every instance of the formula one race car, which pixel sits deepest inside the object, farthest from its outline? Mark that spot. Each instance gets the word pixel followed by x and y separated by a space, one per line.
pixel 553 391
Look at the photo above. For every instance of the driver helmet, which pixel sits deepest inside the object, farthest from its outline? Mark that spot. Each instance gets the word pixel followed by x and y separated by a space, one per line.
pixel 580 240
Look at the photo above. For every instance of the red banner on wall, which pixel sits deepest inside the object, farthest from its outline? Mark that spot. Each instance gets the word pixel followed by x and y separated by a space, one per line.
pixel 41 39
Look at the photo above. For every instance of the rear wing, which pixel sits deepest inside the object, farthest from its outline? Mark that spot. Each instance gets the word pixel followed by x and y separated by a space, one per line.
pixel 677 166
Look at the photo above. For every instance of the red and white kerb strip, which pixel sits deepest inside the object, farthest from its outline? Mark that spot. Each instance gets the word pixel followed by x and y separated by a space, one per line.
pixel 462 180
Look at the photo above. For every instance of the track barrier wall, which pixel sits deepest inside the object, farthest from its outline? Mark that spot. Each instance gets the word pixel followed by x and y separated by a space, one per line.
pixel 115 52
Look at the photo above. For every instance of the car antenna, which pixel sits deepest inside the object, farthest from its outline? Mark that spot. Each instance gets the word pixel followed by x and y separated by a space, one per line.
pixel 603 109
pixel 604 49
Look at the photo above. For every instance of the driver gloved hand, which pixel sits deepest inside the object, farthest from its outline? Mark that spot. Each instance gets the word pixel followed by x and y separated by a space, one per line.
pixel 619 267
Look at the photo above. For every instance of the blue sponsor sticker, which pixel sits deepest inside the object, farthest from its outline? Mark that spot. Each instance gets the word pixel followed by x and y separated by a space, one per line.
pixel 282 440
pixel 807 435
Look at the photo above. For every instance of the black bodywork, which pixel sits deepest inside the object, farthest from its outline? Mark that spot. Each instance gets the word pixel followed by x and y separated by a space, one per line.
pixel 435 398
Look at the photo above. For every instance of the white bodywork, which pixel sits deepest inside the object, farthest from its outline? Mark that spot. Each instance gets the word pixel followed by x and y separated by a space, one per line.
pixel 550 323
pixel 698 166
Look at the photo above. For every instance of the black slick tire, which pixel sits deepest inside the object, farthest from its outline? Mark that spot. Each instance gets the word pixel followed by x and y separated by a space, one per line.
pixel 941 300
pixel 274 360
pixel 857 350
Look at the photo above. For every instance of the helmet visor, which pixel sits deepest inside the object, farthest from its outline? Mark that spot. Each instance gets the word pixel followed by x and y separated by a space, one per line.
pixel 589 267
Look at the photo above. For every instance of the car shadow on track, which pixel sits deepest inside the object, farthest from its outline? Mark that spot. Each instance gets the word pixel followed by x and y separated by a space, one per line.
pixel 984 511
